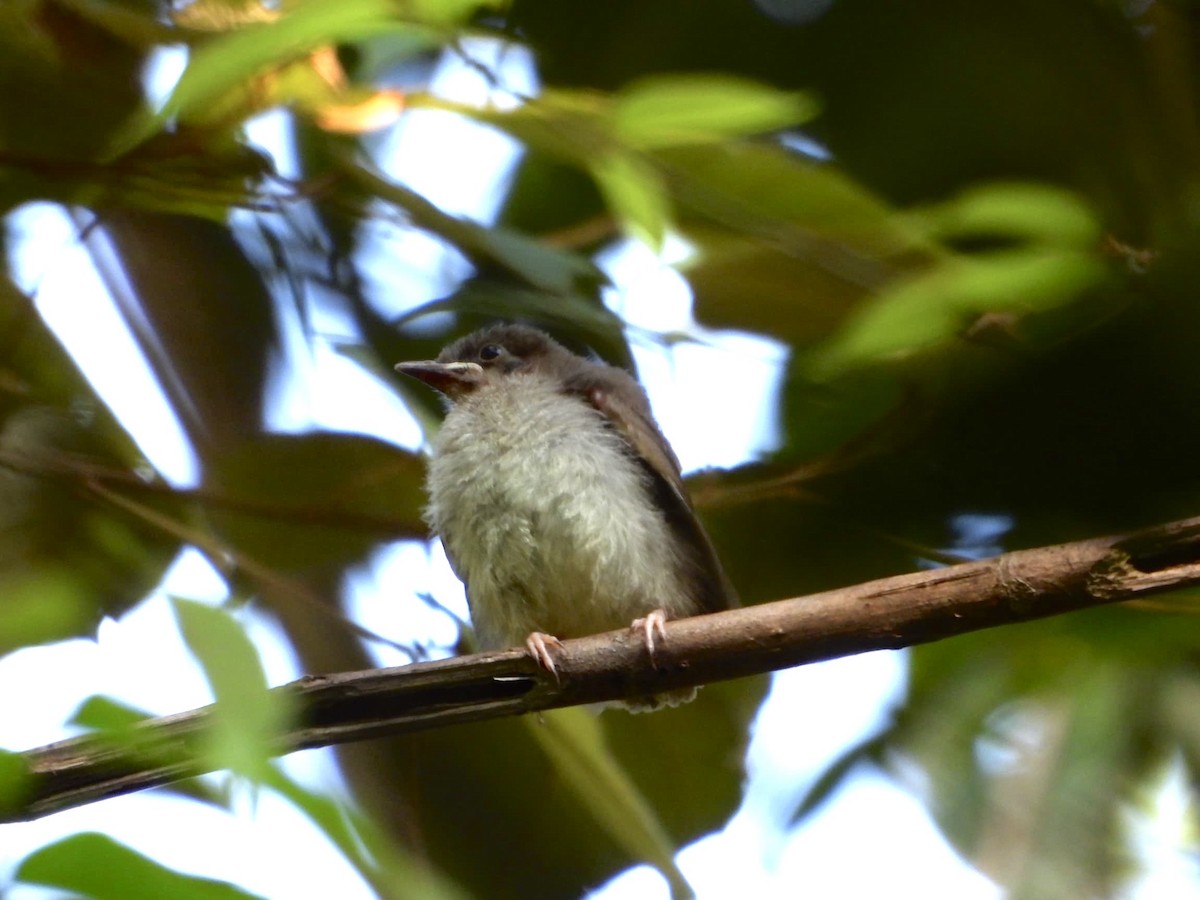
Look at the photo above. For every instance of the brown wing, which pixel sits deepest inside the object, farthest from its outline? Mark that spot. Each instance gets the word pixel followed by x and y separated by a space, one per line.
pixel 621 400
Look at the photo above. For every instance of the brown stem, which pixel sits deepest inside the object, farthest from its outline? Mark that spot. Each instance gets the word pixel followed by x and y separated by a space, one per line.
pixel 886 614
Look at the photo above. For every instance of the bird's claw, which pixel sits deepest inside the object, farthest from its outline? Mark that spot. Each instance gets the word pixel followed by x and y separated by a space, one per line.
pixel 655 623
pixel 538 646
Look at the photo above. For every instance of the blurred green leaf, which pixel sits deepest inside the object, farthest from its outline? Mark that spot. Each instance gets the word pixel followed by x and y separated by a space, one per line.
pixel 494 769
pixel 450 12
pixel 686 763
pixel 549 196
pixel 574 741
pixel 100 713
pixel 1030 741
pixel 789 202
pixel 607 137
pixel 694 776
pixel 301 501
pixel 96 866
pixel 118 723
pixel 573 126
pixel 537 264
pixel 1085 778
pixel 635 193
pixel 42 606
pixel 835 775
pixel 823 418
pixel 1039 213
pixel 225 63
pixel 68 84
pixel 15 781
pixel 940 732
pixel 66 557
pixel 937 305
pixel 247 717
pixel 500 301
pixel 388 867
pixel 670 110
pixel 203 315
pixel 784 245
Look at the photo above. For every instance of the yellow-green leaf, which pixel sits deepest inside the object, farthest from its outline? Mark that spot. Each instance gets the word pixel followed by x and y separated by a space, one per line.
pixel 95 865
pixel 248 716
pixel 1017 210
pixel 225 63
pixel 670 110
pixel 941 302
pixel 635 194
pixel 388 867
pixel 573 740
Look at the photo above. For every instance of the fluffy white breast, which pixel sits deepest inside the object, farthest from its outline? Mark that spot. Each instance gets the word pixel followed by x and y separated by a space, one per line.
pixel 548 517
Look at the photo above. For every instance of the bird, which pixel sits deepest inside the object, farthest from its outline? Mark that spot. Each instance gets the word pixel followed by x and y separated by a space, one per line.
pixel 559 502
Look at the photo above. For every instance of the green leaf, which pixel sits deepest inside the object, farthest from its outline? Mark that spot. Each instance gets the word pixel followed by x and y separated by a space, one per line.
pixel 95 865
pixel 574 741
pixel 635 193
pixel 100 713
pixel 573 126
pixel 865 751
pixel 757 190
pixel 694 778
pixel 248 717
pixel 1030 212
pixel 448 12
pixel 118 723
pixel 1078 781
pixel 938 304
pixel 1039 736
pixel 500 301
pixel 686 762
pixel 390 869
pixel 225 63
pixel 940 729
pixel 538 264
pixel 66 558
pixel 672 110
pixel 322 497
pixel 15 781
pixel 47 604
pixel 784 246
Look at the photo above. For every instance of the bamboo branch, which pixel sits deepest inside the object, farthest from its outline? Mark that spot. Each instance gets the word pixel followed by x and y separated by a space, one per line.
pixel 886 614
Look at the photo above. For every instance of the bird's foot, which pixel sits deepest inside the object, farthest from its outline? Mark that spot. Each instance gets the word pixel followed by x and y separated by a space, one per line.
pixel 538 646
pixel 653 624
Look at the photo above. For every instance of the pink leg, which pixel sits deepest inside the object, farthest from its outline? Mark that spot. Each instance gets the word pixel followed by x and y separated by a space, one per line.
pixel 538 646
pixel 653 624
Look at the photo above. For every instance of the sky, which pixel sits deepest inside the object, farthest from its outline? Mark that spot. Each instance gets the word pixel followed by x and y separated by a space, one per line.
pixel 872 838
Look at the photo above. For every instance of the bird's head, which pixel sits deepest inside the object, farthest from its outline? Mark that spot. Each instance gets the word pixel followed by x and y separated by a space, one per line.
pixel 489 356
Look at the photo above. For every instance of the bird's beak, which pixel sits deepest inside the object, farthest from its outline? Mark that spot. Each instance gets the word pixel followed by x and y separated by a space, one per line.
pixel 451 379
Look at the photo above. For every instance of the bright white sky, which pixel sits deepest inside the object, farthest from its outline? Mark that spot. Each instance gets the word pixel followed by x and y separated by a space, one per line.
pixel 872 840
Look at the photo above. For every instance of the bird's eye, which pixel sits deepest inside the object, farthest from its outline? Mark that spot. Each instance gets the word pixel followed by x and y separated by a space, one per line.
pixel 489 352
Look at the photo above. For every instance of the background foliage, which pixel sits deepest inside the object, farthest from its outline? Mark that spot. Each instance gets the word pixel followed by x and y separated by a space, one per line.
pixel 984 275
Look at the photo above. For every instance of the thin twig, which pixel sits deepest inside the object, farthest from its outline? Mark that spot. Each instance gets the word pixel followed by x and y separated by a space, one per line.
pixel 221 555
pixel 88 472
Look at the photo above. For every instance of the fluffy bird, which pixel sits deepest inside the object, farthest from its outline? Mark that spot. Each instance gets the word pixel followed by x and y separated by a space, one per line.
pixel 559 502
